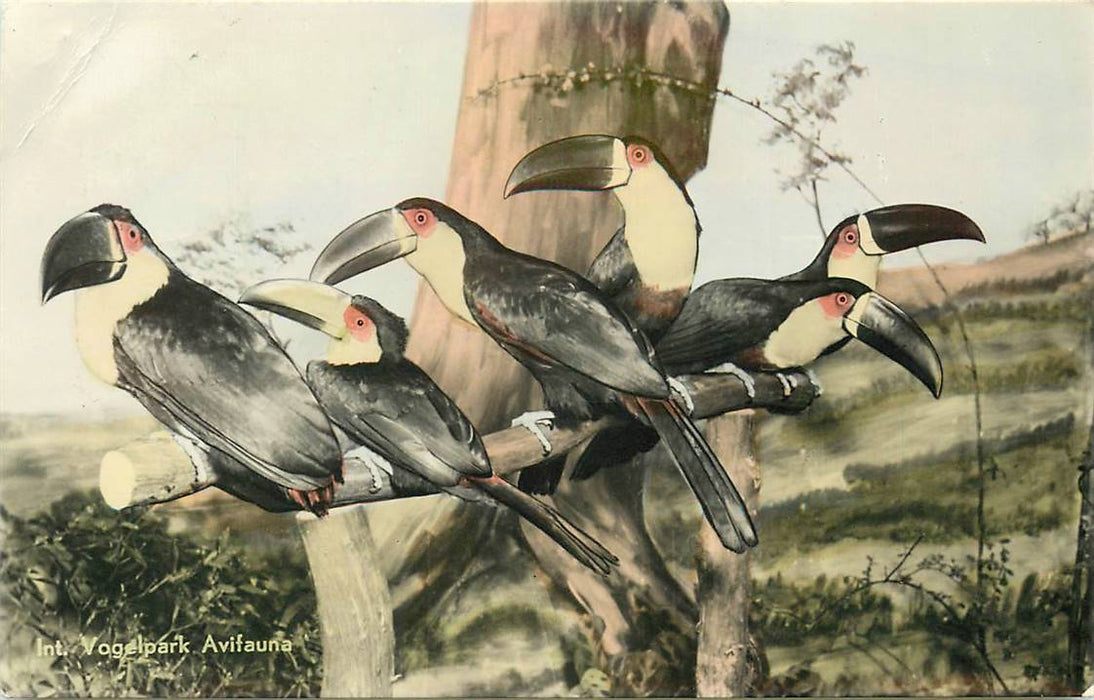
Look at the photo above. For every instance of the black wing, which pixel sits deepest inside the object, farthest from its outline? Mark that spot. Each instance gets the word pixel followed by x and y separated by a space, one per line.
pixel 193 356
pixel 725 317
pixel 613 270
pixel 397 410
pixel 557 316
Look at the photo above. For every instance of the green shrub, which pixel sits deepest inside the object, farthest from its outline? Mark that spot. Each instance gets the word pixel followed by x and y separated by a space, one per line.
pixel 83 575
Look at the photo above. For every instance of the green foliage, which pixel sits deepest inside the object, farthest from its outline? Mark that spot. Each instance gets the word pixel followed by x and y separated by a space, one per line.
pixel 791 615
pixel 1072 308
pixel 1048 284
pixel 859 610
pixel 660 661
pixel 83 575
pixel 928 496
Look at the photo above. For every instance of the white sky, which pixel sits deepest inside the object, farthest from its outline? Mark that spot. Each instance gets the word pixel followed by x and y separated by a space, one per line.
pixel 198 113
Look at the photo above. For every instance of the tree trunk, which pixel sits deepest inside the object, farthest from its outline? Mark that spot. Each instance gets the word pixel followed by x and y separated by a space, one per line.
pixel 1080 646
pixel 502 119
pixel 723 662
pixel 354 605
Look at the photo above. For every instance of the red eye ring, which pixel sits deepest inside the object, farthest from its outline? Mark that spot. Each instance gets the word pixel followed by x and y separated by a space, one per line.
pixel 850 236
pixel 842 299
pixel 640 154
pixel 420 218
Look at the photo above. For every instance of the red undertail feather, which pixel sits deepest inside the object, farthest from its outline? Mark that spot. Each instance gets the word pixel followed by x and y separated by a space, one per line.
pixel 318 500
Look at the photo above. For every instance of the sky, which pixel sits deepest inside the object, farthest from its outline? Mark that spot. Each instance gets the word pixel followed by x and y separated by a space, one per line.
pixel 197 114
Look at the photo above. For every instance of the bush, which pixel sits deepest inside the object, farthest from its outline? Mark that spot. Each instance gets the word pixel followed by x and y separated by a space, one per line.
pixel 83 575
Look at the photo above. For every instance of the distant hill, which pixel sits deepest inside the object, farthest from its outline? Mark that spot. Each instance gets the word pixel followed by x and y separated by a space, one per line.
pixel 1065 258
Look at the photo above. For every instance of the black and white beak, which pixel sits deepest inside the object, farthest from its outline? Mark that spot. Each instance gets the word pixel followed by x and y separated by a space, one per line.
pixel 84 252
pixel 370 242
pixel 903 226
pixel 315 305
pixel 882 325
pixel 574 163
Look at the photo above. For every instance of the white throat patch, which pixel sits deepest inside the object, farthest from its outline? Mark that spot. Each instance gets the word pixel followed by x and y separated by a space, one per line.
pixel 864 263
pixel 859 266
pixel 440 259
pixel 661 228
pixel 99 308
pixel 803 336
pixel 347 350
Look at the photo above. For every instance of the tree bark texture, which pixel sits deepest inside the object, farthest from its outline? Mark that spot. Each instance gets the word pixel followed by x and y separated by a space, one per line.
pixel 501 120
pixel 354 605
pixel 723 664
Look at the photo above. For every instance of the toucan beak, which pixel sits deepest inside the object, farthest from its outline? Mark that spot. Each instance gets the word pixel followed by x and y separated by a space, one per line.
pixel 575 163
pixel 315 305
pixel 84 252
pixel 882 325
pixel 903 226
pixel 374 240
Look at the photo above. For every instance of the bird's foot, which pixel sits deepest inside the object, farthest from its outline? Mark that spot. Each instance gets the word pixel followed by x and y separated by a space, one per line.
pixel 376 465
pixel 818 390
pixel 531 421
pixel 316 501
pixel 745 377
pixel 788 382
pixel 682 391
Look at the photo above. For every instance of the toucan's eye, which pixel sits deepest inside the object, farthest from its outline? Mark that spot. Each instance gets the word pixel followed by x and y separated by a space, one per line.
pixel 843 299
pixel 360 322
pixel 638 155
pixel 850 236
pixel 421 220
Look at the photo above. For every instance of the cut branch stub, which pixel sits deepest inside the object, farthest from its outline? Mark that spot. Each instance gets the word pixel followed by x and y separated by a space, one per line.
pixel 156 469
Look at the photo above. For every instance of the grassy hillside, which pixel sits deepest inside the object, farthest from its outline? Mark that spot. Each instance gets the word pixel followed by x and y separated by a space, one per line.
pixel 876 465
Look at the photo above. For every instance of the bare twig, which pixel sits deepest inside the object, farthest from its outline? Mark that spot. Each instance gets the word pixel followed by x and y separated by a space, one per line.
pixel 816 208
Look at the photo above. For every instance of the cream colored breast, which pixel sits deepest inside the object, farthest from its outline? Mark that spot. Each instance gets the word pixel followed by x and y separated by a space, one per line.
pixel 859 266
pixel 99 308
pixel 349 351
pixel 661 229
pixel 804 335
pixel 440 259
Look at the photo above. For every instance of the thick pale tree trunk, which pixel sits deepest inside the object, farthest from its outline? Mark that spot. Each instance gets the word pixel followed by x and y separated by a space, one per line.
pixel 723 665
pixel 354 605
pixel 590 58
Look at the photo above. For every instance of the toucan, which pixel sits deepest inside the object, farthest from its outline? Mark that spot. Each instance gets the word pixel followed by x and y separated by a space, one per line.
pixel 385 402
pixel 588 357
pixel 199 363
pixel 779 325
pixel 852 249
pixel 648 266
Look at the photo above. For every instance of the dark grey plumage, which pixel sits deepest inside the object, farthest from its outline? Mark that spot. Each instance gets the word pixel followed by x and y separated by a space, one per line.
pixel 728 320
pixel 588 357
pixel 205 367
pixel 396 410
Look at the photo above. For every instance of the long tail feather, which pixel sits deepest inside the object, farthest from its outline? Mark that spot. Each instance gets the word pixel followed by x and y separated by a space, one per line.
pixel 722 504
pixel 583 547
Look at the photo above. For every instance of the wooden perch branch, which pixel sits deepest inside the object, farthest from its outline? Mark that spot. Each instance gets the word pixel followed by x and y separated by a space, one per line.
pixel 156 469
